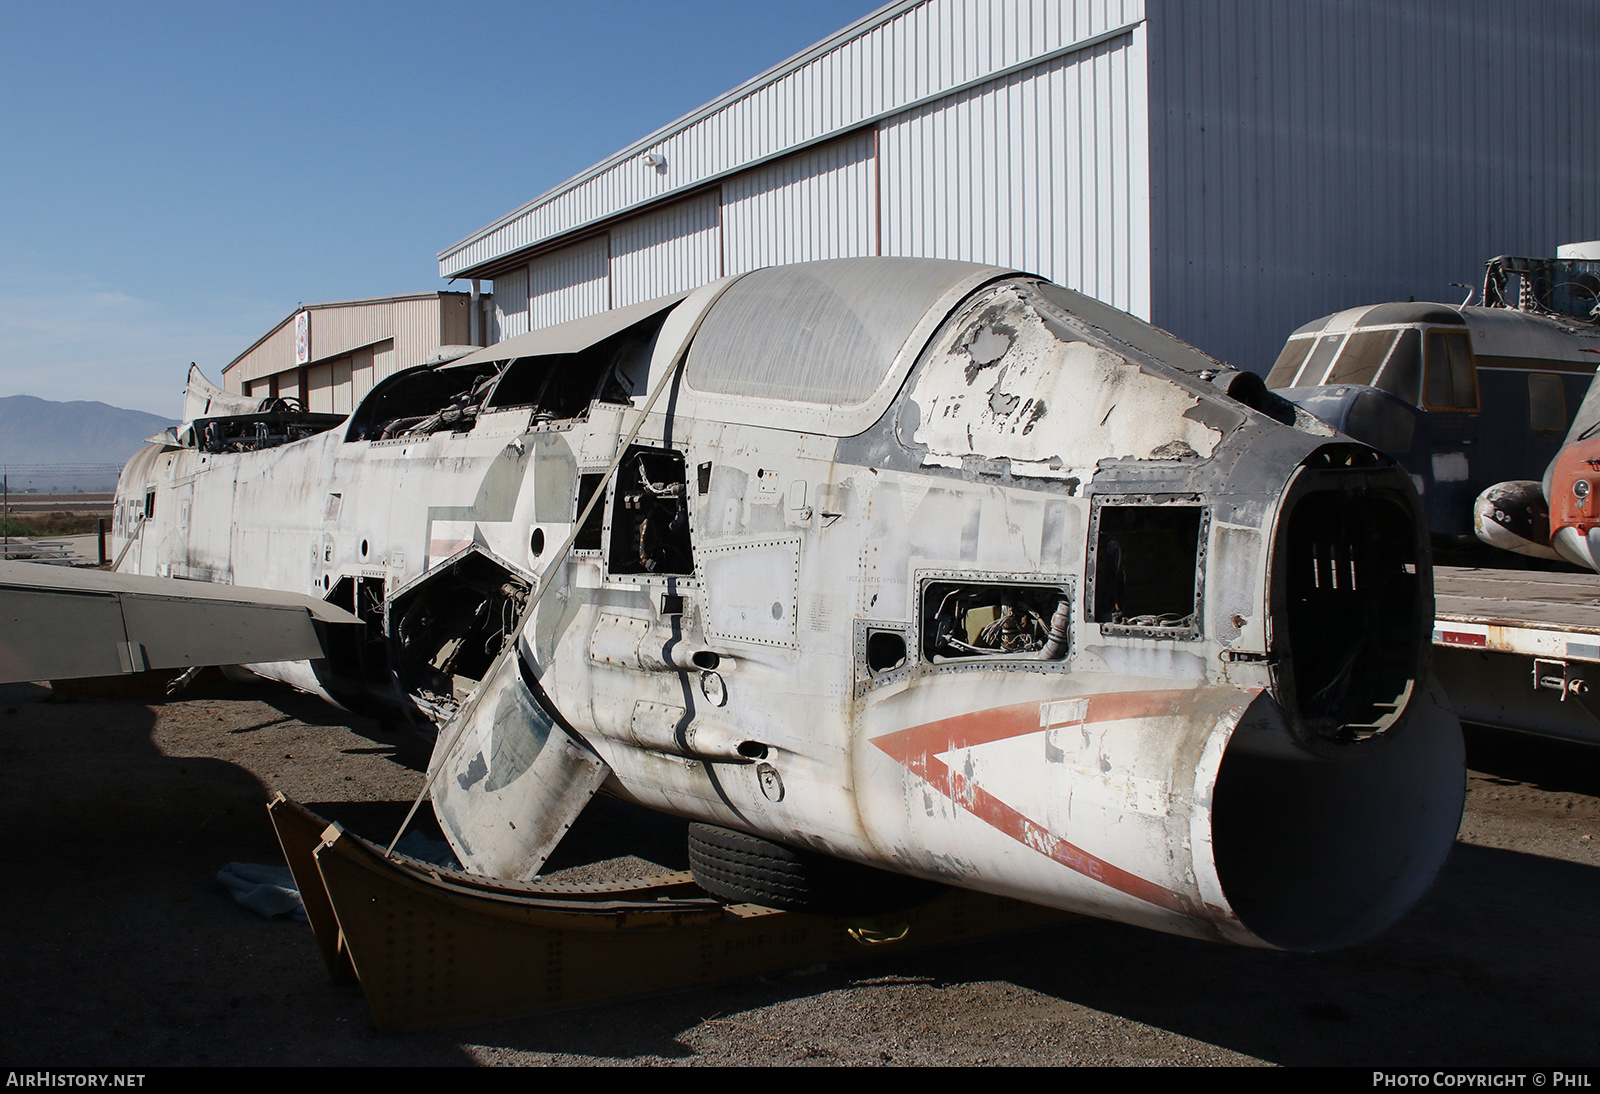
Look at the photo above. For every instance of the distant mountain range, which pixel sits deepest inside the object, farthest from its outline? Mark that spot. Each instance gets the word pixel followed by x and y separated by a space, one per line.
pixel 50 446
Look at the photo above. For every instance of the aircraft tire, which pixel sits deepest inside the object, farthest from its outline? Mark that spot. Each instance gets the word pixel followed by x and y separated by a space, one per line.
pixel 745 869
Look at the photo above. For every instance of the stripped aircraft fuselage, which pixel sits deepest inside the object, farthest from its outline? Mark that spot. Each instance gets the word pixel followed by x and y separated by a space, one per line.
pixel 930 566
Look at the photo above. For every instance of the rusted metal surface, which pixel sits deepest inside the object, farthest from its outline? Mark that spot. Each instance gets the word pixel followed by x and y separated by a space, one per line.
pixel 1518 611
pixel 1518 649
pixel 434 947
pixel 299 831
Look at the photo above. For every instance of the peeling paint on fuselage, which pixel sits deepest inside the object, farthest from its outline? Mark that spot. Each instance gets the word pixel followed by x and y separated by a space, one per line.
pixel 1000 375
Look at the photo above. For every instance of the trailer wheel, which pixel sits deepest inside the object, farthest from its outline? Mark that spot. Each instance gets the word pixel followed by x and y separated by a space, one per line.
pixel 745 869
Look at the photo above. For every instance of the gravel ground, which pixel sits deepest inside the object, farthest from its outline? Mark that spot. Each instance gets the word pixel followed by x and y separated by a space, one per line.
pixel 122 951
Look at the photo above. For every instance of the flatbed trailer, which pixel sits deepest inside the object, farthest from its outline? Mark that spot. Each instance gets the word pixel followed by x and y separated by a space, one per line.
pixel 1520 649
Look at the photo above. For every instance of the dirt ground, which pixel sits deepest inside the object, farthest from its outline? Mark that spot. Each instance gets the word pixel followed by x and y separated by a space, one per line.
pixel 57 514
pixel 121 950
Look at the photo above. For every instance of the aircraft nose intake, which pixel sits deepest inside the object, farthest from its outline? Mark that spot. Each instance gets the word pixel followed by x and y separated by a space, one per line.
pixel 1352 570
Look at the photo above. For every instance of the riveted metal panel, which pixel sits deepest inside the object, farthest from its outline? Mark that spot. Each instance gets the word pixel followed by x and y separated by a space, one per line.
pixel 828 332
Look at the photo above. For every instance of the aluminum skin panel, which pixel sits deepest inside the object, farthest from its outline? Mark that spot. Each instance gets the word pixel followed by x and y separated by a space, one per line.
pixel 572 336
pixel 58 624
pixel 1081 772
pixel 825 332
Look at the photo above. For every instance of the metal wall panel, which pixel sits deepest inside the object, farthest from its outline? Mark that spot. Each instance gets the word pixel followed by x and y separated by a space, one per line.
pixel 678 248
pixel 363 371
pixel 319 388
pixel 417 326
pixel 272 354
pixel 383 364
pixel 413 323
pixel 343 375
pixel 455 319
pixel 1313 156
pixel 336 331
pixel 510 305
pixel 568 284
pixel 893 59
pixel 354 345
pixel 815 204
pixel 1039 170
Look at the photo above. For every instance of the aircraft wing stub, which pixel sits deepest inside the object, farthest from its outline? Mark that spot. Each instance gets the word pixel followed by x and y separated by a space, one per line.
pixel 61 624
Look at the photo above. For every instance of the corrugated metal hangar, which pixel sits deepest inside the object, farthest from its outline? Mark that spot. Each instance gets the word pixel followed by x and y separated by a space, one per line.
pixel 1227 169
pixel 327 356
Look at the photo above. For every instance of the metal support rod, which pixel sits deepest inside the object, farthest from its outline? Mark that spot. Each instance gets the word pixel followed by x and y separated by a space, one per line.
pixel 138 526
pixel 461 717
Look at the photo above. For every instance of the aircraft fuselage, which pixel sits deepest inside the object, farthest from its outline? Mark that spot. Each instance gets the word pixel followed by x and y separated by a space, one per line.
pixel 1034 608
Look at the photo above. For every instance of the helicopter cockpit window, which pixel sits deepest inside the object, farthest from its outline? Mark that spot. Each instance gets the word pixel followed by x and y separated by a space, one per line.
pixel 1147 574
pixel 1287 366
pixel 1363 355
pixel 1452 382
pixel 969 619
pixel 422 401
pixel 562 385
pixel 1318 360
pixel 1401 374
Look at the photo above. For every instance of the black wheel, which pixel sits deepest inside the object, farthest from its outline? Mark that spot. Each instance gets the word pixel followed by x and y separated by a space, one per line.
pixel 745 869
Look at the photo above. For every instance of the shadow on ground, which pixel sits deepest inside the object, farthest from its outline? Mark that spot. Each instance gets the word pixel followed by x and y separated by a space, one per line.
pixel 121 949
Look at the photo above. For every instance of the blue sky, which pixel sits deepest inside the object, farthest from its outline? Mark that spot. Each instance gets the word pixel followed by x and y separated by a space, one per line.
pixel 175 178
